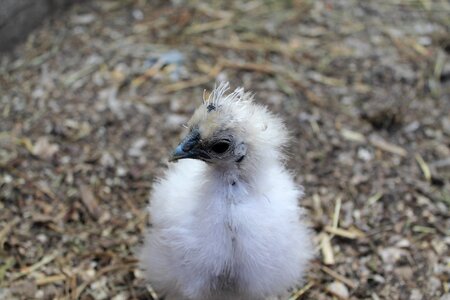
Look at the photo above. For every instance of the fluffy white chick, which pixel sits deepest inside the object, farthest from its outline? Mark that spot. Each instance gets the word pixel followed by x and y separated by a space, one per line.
pixel 226 223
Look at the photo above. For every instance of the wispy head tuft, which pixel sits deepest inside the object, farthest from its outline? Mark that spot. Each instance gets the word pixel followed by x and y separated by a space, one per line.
pixel 218 96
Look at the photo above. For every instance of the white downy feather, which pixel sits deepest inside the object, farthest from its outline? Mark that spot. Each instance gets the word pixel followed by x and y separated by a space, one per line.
pixel 228 230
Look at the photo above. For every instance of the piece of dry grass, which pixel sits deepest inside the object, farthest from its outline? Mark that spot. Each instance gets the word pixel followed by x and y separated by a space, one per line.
pixel 386 146
pixel 299 293
pixel 424 167
pixel 349 234
pixel 30 269
pixel 327 250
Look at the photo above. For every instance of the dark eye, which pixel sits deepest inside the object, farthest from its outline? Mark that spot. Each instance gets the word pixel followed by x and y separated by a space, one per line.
pixel 220 147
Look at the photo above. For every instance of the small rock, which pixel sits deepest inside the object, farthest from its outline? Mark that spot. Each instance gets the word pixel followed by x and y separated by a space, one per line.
pixel 439 246
pixel 411 127
pixel 345 158
pixel 434 284
pixel 446 125
pixel 416 295
pixel 138 274
pixel 107 160
pixel 379 278
pixel 391 255
pixel 83 19
pixel 44 149
pixel 137 14
pixel 42 238
pixel 137 147
pixel 6 294
pixel 445 297
pixel 338 289
pixel 39 294
pixel 121 171
pixel 364 154
pixel 405 272
pixel 26 289
pixel 90 273
pixel 403 243
pixel 121 296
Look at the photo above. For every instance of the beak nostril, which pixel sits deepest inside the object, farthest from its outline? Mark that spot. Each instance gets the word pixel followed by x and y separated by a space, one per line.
pixel 187 147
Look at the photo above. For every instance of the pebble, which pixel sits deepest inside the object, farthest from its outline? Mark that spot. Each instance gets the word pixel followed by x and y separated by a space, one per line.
pixel 338 289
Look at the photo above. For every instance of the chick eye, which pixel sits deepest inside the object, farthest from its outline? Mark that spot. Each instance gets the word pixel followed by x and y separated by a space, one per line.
pixel 220 147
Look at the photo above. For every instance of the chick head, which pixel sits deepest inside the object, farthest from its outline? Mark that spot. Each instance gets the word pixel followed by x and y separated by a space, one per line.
pixel 230 128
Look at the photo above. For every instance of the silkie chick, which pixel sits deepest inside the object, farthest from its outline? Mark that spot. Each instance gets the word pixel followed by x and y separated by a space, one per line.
pixel 226 222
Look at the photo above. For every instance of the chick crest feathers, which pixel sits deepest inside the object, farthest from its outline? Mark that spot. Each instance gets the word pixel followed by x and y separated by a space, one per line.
pixel 265 134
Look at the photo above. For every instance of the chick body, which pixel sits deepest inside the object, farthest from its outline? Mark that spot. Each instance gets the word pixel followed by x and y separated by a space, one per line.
pixel 233 229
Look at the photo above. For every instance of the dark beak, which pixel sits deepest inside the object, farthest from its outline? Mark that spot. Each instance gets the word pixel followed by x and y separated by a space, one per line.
pixel 188 148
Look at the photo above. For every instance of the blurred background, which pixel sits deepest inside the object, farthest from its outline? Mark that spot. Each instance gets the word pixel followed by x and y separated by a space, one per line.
pixel 94 97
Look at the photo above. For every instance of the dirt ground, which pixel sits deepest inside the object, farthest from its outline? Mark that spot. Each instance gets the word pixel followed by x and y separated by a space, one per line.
pixel 94 100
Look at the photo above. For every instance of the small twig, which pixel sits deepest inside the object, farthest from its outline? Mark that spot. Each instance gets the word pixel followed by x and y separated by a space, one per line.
pixel 343 233
pixel 202 27
pixel 251 46
pixel 317 205
pixel 424 167
pixel 388 147
pixel 152 292
pixel 353 136
pixel 187 84
pixel 339 277
pixel 302 291
pixel 147 74
pixel 194 82
pixel 327 250
pixel 5 231
pixel 268 69
pixel 30 269
pixel 337 211
pixel 374 198
pixel 100 273
pixel 50 279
